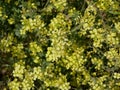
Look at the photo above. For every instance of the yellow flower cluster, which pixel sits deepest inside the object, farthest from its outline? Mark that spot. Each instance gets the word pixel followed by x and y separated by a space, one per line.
pixel 24 79
pixel 19 69
pixel 17 51
pixel 113 57
pixel 11 21
pixel 104 5
pixel 34 48
pixel 59 5
pixel 112 39
pixel 31 25
pixel 97 36
pixel 87 21
pixel 97 62
pixel 6 42
pixel 59 27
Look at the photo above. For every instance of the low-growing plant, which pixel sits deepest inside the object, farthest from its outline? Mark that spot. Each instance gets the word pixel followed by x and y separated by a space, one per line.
pixel 60 44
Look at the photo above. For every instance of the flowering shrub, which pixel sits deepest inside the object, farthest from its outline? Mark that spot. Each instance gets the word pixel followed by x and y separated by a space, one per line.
pixel 60 44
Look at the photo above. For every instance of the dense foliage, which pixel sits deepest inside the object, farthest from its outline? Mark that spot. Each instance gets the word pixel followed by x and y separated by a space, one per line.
pixel 60 44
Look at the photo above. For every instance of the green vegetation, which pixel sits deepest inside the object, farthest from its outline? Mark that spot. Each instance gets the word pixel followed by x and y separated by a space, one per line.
pixel 59 45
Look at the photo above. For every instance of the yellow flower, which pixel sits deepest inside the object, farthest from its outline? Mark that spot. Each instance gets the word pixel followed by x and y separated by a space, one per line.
pixel 11 21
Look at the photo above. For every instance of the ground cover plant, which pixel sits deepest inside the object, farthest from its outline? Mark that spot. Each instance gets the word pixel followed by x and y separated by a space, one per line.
pixel 59 44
